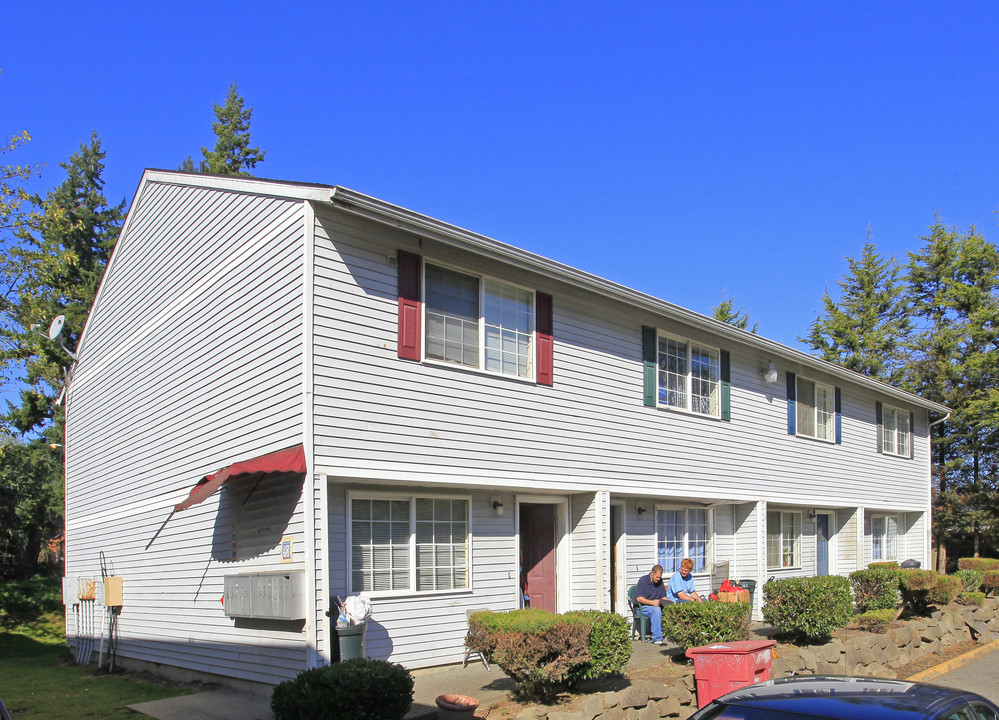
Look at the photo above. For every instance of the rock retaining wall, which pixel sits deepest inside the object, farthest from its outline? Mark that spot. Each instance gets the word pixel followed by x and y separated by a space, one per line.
pixel 867 655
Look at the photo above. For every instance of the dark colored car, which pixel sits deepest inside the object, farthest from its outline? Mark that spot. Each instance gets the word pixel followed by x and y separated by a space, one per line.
pixel 798 698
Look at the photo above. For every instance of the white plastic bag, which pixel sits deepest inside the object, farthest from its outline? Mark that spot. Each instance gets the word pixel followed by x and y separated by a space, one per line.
pixel 357 608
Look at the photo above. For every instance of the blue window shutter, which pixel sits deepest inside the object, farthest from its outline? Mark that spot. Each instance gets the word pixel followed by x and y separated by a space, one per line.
pixel 879 417
pixel 839 417
pixel 792 409
pixel 726 386
pixel 649 362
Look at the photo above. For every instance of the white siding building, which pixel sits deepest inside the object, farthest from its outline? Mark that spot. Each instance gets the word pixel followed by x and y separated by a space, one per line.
pixel 475 424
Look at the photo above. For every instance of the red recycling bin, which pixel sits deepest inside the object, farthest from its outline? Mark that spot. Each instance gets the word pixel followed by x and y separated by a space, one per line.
pixel 723 667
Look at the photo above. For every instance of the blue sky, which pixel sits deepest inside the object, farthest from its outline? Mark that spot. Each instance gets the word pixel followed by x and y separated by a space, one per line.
pixel 689 150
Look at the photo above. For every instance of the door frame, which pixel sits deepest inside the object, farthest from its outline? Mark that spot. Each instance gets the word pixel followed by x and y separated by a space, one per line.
pixel 620 550
pixel 831 514
pixel 563 568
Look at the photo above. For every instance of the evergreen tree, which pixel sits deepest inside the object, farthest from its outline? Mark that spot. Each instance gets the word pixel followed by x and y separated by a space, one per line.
pixel 865 329
pixel 725 312
pixel 232 154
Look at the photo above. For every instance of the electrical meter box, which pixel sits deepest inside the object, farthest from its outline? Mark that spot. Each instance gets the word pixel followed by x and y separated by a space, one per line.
pixel 266 596
pixel 113 591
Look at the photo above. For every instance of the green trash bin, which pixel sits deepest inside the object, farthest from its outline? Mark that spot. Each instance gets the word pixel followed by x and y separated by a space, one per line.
pixel 352 641
pixel 750 585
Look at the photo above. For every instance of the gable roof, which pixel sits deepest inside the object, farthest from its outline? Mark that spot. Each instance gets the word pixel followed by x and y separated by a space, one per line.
pixel 400 218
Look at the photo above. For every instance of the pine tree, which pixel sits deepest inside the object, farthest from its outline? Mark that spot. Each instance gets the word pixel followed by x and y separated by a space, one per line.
pixel 725 312
pixel 865 328
pixel 232 154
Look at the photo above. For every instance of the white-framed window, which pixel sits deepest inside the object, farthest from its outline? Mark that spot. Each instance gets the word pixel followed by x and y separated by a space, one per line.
pixel 689 376
pixel 783 539
pixel 409 544
pixel 683 532
pixel 816 409
pixel 896 435
pixel 478 322
pixel 884 538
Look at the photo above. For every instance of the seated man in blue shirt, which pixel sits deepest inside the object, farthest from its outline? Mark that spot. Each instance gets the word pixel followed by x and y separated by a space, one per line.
pixel 650 593
pixel 681 585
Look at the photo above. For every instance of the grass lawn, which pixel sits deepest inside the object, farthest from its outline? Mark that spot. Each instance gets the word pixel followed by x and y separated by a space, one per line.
pixel 38 678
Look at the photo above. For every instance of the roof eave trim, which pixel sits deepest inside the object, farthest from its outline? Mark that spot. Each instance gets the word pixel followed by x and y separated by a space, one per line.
pixel 409 221
pixel 238 183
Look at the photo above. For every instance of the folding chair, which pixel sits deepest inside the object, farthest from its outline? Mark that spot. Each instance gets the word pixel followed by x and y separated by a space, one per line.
pixel 469 651
pixel 639 620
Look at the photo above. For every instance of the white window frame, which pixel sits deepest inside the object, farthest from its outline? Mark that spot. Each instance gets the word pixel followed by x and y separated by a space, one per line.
pixel 412 544
pixel 829 410
pixel 889 544
pixel 795 541
pixel 688 380
pixel 891 441
pixel 531 376
pixel 709 530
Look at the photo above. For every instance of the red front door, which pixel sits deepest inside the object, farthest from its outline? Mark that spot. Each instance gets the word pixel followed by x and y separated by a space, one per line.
pixel 537 546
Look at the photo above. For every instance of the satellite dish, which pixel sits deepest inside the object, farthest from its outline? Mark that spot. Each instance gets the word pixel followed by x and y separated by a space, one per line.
pixel 55 329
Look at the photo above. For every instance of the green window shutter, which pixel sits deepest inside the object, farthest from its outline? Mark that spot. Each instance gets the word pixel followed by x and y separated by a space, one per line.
pixel 726 386
pixel 649 362
pixel 839 417
pixel 792 405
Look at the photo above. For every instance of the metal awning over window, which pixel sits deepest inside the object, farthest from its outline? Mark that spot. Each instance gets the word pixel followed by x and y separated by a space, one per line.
pixel 289 460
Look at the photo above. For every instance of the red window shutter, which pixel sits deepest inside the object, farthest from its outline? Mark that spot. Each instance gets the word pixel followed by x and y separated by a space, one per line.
pixel 410 306
pixel 545 324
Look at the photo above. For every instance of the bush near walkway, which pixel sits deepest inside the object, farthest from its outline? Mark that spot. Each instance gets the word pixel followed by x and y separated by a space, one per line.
pixel 808 608
pixel 692 624
pixel 875 589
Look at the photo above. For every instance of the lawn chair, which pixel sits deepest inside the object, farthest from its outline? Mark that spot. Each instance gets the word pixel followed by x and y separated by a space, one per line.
pixel 469 651
pixel 639 620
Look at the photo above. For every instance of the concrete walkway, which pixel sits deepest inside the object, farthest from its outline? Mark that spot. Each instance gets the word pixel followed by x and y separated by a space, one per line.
pixel 486 686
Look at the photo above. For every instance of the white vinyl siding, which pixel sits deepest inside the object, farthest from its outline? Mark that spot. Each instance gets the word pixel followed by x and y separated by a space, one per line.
pixel 395 541
pixel 689 376
pixel 816 415
pixel 783 539
pixel 478 322
pixel 884 538
pixel 896 432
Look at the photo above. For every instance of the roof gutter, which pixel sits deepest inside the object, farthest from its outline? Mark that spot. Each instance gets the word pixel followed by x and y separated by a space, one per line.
pixel 406 220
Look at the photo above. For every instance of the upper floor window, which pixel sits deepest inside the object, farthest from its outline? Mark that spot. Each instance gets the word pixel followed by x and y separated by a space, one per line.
pixel 816 409
pixel 783 539
pixel 689 376
pixel 682 533
pixel 479 322
pixel 408 544
pixel 896 433
pixel 884 538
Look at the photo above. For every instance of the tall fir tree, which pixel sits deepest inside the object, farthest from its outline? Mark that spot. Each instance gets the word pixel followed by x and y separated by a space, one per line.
pixel 232 154
pixel 726 312
pixel 866 327
pixel 953 289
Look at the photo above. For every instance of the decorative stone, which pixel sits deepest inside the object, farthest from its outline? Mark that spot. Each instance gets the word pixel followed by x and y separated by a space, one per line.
pixel 681 693
pixel 592 707
pixel 686 711
pixel 880 671
pixel 655 690
pixel 609 699
pixel 831 653
pixel 649 712
pixel 828 668
pixel 808 658
pixel 891 652
pixel 561 715
pixel 614 713
pixel 930 633
pixel 668 707
pixel 688 681
pixel 634 697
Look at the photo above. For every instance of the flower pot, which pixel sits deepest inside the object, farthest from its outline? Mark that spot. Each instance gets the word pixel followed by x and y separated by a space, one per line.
pixel 456 707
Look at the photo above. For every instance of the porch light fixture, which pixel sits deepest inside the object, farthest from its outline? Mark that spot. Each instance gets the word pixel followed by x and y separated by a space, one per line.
pixel 497 506
pixel 769 373
pixel 639 509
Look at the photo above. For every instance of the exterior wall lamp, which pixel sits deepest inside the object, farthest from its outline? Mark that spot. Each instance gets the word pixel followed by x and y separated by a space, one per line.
pixel 769 373
pixel 497 506
pixel 639 509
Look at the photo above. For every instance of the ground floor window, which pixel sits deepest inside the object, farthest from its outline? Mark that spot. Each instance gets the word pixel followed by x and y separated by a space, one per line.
pixel 408 544
pixel 884 538
pixel 682 532
pixel 783 539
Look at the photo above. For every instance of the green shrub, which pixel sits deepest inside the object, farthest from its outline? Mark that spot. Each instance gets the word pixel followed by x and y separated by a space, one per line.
pixel 915 586
pixel 971 598
pixel 990 580
pixel 808 608
pixel 27 600
pixel 971 580
pixel 887 565
pixel 544 652
pixel 876 621
pixel 978 563
pixel 948 587
pixel 875 589
pixel 692 624
pixel 359 688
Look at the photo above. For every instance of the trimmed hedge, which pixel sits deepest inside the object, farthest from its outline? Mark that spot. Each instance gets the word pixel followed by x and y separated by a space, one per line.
pixel 971 598
pixel 990 580
pixel 358 689
pixel 948 587
pixel 875 589
pixel 876 621
pixel 808 608
pixel 916 586
pixel 978 563
pixel 544 652
pixel 887 565
pixel 692 624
